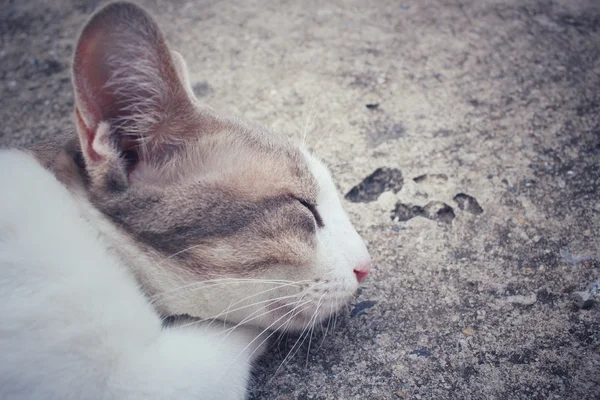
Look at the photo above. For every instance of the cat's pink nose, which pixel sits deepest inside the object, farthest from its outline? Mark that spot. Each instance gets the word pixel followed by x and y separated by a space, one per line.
pixel 362 272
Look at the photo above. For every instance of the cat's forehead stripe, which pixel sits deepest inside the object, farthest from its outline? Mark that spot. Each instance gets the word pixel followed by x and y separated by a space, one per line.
pixel 168 227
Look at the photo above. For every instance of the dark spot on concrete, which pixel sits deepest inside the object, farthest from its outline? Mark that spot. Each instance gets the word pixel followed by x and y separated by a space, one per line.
pixel 583 300
pixel 372 106
pixel 422 352
pixel 372 51
pixel 442 133
pixel 584 331
pixel 440 211
pixel 435 210
pixel 202 89
pixel 404 212
pixel 360 308
pixel 48 66
pixel 546 297
pixel 86 6
pixel 559 371
pixel 381 180
pixel 525 356
pixel 383 128
pixel 468 371
pixel 14 24
pixel 585 24
pixel 513 289
pixel 468 203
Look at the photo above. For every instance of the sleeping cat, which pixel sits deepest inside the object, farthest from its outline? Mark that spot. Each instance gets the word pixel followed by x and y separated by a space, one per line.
pixel 159 206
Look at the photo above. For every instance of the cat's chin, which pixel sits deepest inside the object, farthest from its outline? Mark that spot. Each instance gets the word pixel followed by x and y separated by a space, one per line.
pixel 294 318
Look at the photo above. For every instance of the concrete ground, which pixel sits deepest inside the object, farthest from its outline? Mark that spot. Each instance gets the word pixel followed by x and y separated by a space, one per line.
pixel 485 117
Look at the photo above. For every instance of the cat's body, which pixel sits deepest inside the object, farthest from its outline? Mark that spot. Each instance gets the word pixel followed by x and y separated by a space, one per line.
pixel 159 207
pixel 76 324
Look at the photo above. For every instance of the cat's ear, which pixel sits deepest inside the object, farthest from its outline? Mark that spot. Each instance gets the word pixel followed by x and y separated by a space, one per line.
pixel 132 98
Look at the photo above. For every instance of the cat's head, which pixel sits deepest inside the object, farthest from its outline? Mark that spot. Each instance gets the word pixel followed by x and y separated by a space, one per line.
pixel 217 217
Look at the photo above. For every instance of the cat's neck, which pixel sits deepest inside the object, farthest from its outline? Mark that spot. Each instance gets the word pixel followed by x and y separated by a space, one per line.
pixel 62 156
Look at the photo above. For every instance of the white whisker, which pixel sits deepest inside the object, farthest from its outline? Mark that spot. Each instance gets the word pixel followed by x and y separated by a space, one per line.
pixel 309 324
pixel 269 327
pixel 212 283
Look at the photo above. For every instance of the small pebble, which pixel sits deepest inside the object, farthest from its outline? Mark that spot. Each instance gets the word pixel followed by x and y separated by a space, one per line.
pixel 422 352
pixel 583 300
pixel 400 395
pixel 468 331
pixel 587 233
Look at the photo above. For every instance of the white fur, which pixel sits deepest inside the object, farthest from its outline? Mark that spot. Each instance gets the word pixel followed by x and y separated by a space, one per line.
pixel 341 249
pixel 74 322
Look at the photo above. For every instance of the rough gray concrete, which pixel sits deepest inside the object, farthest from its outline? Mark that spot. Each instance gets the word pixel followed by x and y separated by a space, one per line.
pixel 497 100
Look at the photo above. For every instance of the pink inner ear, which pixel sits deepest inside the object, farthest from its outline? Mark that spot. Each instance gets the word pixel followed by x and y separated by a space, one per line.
pixel 92 101
pixel 87 138
pixel 90 75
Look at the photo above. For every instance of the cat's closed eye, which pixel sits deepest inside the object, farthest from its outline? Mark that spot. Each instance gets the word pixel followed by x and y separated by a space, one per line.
pixel 313 209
